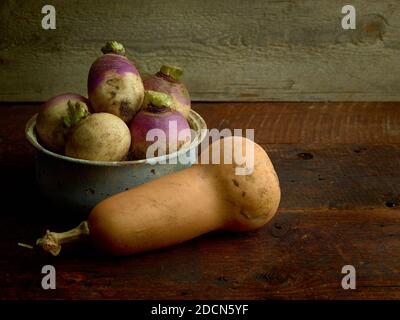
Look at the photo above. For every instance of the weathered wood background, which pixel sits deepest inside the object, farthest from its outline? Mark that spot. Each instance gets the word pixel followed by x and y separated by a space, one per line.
pixel 338 166
pixel 232 50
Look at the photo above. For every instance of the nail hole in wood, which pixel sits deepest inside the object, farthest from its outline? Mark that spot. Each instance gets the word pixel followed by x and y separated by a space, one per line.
pixel 359 150
pixel 305 155
pixel 391 204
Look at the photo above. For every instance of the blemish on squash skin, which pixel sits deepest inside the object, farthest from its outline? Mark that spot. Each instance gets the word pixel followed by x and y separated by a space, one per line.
pixel 243 194
pixel 244 214
pixel 236 183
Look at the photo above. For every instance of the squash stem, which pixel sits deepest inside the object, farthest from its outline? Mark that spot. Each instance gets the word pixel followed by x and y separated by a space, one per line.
pixel 52 241
pixel 24 245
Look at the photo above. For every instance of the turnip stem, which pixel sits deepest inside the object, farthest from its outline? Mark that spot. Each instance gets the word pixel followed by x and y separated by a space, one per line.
pixel 76 112
pixel 174 72
pixel 159 100
pixel 113 47
pixel 52 241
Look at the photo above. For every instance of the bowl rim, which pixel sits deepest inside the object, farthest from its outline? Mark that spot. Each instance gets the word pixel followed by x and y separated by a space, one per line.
pixel 194 117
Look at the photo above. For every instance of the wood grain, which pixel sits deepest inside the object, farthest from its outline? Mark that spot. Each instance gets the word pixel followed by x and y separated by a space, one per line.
pixel 231 50
pixel 276 122
pixel 311 122
pixel 340 205
pixel 299 255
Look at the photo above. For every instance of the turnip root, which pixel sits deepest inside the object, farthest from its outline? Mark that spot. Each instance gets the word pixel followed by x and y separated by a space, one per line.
pixel 114 83
pixel 50 125
pixel 157 114
pixel 183 205
pixel 167 80
pixel 99 137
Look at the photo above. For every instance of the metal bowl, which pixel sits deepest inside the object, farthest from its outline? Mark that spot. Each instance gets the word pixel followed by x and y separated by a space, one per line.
pixel 78 185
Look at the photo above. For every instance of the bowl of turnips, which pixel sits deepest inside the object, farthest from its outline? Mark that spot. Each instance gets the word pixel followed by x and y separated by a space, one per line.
pixel 90 148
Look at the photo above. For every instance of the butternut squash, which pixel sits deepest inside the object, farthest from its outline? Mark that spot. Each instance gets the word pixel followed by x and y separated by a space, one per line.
pixel 183 205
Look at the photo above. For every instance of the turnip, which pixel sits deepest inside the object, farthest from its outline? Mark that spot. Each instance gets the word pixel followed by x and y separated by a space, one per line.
pixel 114 83
pixel 50 125
pixel 157 114
pixel 167 80
pixel 99 137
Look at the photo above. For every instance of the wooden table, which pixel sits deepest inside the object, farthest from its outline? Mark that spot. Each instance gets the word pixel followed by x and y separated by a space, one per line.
pixel 339 168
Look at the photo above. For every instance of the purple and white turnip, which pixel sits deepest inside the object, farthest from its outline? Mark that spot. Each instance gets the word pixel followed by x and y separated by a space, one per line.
pixel 114 83
pixel 99 137
pixel 117 99
pixel 167 80
pixel 170 127
pixel 50 125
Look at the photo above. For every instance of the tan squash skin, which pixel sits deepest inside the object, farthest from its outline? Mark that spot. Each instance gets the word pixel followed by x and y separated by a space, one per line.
pixel 186 204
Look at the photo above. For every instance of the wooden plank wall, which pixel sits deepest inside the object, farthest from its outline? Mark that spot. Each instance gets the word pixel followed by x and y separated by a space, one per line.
pixel 232 50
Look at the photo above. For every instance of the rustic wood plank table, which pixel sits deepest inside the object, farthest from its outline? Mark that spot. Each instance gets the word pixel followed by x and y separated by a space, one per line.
pixel 338 165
